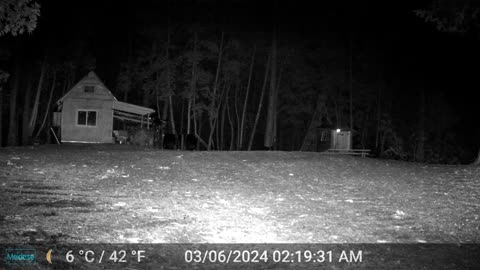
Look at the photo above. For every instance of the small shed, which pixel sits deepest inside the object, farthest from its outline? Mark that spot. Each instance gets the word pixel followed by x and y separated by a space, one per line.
pixel 341 139
pixel 85 113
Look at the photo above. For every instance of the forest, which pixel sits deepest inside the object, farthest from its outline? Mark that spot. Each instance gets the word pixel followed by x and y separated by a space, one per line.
pixel 246 76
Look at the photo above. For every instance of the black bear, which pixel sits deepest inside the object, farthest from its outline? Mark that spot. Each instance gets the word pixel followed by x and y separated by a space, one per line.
pixel 170 141
pixel 191 142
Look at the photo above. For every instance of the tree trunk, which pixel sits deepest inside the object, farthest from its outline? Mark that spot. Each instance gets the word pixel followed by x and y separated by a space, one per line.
pixel 217 116
pixel 169 86
pixel 260 103
pixel 222 123
pixel 146 95
pixel 1 110
pixel 197 129
pixel 242 124
pixel 47 110
pixel 350 78
pixel 217 127
pixel 182 117
pixel 165 111
pixel 193 85
pixel 33 116
pixel 379 115
pixel 172 120
pixel 237 116
pixel 194 117
pixel 338 119
pixel 420 151
pixel 26 139
pixel 13 121
pixel 365 129
pixel 189 113
pixel 129 63
pixel 279 77
pixel 214 95
pixel 271 126
pixel 232 129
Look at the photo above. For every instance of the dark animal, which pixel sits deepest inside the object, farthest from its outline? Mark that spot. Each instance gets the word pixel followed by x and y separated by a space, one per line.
pixel 143 137
pixel 158 127
pixel 170 141
pixel 191 142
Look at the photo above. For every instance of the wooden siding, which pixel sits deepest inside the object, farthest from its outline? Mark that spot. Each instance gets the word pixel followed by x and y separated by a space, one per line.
pixel 99 94
pixel 101 133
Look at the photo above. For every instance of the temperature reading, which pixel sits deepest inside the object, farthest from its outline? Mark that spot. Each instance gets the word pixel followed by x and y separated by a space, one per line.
pixel 118 256
pixel 115 256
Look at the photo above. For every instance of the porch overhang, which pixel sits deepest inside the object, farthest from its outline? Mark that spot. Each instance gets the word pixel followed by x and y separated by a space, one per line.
pixel 131 108
pixel 133 113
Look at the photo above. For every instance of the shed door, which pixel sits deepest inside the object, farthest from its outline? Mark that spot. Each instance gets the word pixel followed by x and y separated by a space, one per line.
pixel 341 140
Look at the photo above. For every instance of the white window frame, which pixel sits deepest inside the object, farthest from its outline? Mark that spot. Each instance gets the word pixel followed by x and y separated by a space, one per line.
pixel 86 118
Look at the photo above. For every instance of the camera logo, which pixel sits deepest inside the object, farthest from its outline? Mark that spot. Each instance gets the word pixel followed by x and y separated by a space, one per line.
pixel 20 256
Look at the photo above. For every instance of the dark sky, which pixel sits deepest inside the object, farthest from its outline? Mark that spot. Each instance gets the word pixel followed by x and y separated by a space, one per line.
pixel 394 27
pixel 413 52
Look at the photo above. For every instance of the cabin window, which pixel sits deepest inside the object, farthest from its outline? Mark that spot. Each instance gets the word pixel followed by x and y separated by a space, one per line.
pixel 89 89
pixel 87 118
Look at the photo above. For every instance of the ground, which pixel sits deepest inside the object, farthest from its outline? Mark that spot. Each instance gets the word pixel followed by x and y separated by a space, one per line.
pixel 123 194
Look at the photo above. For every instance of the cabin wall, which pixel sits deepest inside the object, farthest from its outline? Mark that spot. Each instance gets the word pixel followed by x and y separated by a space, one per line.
pixel 101 133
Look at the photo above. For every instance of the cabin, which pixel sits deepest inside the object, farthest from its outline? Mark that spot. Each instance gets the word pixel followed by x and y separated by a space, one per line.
pixel 86 113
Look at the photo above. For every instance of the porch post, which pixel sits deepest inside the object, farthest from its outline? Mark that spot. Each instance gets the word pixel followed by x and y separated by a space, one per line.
pixel 148 121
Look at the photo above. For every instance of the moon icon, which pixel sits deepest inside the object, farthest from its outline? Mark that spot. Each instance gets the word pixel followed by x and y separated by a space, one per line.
pixel 49 256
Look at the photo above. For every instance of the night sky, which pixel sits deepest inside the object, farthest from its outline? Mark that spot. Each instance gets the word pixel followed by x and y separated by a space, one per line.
pixel 413 50
pixel 410 53
pixel 410 44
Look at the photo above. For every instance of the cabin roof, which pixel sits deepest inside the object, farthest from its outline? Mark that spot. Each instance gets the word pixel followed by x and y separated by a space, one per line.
pixel 90 78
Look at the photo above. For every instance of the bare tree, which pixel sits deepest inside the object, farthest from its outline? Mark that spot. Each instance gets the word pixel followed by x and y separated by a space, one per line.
pixel 33 117
pixel 213 108
pixel 3 79
pixel 230 121
pixel 193 83
pixel 222 122
pixel 379 117
pixel 12 125
pixel 260 103
pixel 242 124
pixel 237 116
pixel 47 109
pixel 271 127
pixel 27 102
pixel 420 149
pixel 350 78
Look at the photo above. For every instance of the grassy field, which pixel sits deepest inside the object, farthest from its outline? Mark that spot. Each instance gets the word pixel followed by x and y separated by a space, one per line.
pixel 122 194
